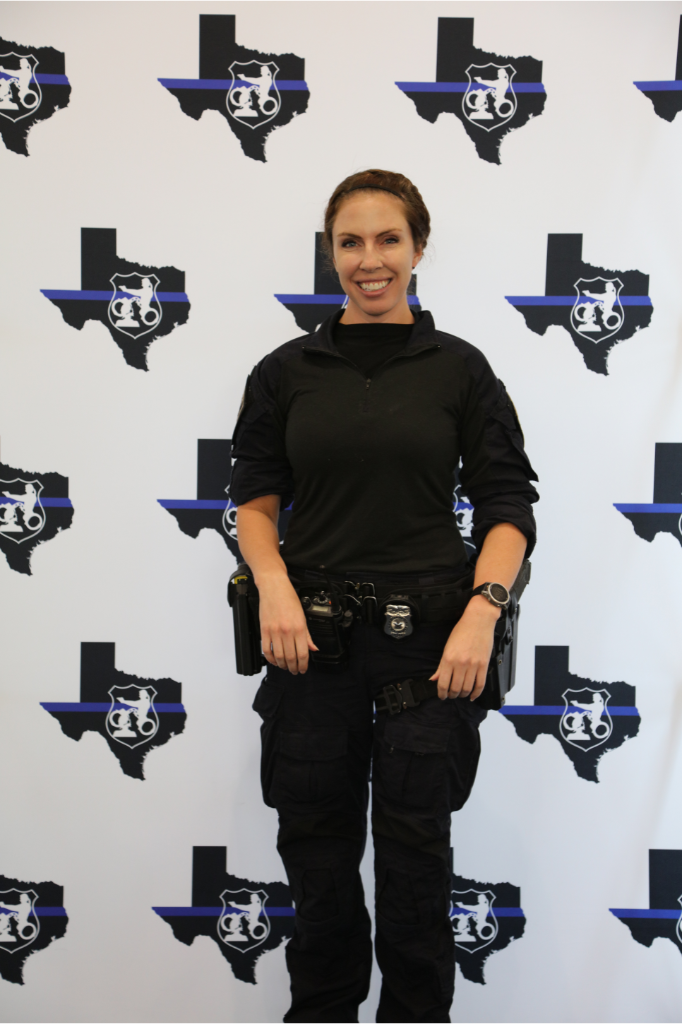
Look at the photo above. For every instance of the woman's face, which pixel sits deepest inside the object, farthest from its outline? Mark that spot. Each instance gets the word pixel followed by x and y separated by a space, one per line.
pixel 374 256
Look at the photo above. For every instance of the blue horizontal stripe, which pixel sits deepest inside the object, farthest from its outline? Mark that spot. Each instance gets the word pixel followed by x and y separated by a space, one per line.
pixel 673 86
pixel 217 911
pixel 45 502
pixel 558 709
pixel 172 709
pixel 653 914
pixel 463 86
pixel 327 300
pixel 50 911
pixel 97 296
pixel 52 79
pixel 285 85
pixel 569 300
pixel 219 503
pixel 649 508
pixel 457 505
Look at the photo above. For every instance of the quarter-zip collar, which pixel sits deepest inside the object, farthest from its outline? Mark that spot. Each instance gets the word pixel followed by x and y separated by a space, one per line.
pixel 423 336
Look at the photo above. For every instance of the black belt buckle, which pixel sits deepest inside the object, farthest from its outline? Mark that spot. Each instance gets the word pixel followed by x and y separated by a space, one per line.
pixel 395 699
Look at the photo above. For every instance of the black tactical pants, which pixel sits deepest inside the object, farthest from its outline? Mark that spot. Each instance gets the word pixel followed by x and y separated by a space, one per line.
pixel 319 740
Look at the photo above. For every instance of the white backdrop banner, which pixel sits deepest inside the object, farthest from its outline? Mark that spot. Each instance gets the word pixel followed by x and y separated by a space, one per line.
pixel 164 169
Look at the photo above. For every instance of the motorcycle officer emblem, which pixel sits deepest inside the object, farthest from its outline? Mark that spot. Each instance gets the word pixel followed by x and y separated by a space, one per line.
pixel 253 97
pixel 19 924
pixel 243 923
pixel 20 94
pixel 134 308
pixel 490 100
pixel 586 722
pixel 132 719
pixel 597 311
pixel 473 921
pixel 21 514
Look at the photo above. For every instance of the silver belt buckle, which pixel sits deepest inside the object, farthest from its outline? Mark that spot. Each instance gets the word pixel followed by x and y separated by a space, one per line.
pixel 398 622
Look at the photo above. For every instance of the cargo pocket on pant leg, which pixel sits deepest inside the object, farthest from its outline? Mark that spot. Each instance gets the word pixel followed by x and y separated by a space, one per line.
pixel 311 771
pixel 464 751
pixel 412 762
pixel 266 703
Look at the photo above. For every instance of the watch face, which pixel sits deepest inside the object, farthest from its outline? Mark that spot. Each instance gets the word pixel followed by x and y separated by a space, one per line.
pixel 499 593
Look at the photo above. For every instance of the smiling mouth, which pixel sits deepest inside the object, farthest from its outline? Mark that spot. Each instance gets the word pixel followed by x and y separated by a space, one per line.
pixel 373 286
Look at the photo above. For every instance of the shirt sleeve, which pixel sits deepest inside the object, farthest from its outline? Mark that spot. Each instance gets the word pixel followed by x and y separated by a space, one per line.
pixel 496 473
pixel 260 464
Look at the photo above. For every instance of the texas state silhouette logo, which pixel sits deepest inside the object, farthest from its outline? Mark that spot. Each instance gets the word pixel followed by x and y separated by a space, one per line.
pixel 136 304
pixel 490 94
pixel 664 514
pixel 486 917
pixel 33 84
pixel 309 310
pixel 34 508
pixel 133 715
pixel 662 919
pixel 666 97
pixel 587 718
pixel 244 918
pixel 255 92
pixel 32 916
pixel 213 509
pixel 598 307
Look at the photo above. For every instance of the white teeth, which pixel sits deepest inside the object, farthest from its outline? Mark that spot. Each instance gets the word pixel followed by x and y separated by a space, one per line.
pixel 372 286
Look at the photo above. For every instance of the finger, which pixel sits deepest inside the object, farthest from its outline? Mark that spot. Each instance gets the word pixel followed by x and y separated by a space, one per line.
pixel 266 647
pixel 278 653
pixel 468 682
pixel 290 654
pixel 311 645
pixel 302 652
pixel 443 675
pixel 480 683
pixel 456 682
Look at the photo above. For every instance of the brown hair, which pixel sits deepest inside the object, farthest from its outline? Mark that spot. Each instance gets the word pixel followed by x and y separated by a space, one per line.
pixel 416 214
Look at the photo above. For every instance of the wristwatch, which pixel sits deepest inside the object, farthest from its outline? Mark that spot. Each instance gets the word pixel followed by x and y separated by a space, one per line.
pixel 495 593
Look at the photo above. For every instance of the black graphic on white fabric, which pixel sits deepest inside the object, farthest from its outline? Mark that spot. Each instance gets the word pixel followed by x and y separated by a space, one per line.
pixel 491 95
pixel 133 715
pixel 663 917
pixel 32 86
pixel 34 507
pixel 310 310
pixel 664 514
pixel 486 917
pixel 213 509
pixel 667 96
pixel 32 916
pixel 587 718
pixel 464 514
pixel 255 92
pixel 597 307
pixel 136 304
pixel 245 919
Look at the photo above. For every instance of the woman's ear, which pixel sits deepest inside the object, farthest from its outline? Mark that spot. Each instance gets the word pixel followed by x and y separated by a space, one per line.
pixel 417 257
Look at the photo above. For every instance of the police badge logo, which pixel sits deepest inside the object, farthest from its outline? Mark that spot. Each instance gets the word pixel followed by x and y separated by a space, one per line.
pixel 134 308
pixel 597 311
pixel 230 520
pixel 243 925
pixel 253 97
pixel 490 100
pixel 21 515
pixel 132 719
pixel 19 925
pixel 586 722
pixel 474 923
pixel 20 94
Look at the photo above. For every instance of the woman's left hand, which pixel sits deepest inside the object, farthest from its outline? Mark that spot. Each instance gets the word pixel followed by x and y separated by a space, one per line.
pixel 464 665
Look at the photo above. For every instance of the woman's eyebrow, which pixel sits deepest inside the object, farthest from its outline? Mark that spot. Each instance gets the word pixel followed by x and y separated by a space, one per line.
pixel 389 231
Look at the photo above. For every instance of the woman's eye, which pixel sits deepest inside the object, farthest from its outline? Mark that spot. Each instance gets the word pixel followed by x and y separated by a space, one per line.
pixel 391 240
pixel 347 244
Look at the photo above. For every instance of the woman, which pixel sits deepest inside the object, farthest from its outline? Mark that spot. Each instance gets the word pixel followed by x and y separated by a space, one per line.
pixel 364 422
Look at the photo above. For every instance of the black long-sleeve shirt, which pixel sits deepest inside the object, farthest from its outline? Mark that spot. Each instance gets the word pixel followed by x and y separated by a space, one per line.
pixel 370 462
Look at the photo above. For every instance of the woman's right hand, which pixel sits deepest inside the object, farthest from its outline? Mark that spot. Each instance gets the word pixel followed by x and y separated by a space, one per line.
pixel 284 633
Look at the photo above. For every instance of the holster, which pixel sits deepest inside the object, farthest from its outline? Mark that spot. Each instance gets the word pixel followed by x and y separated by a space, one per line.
pixel 242 596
